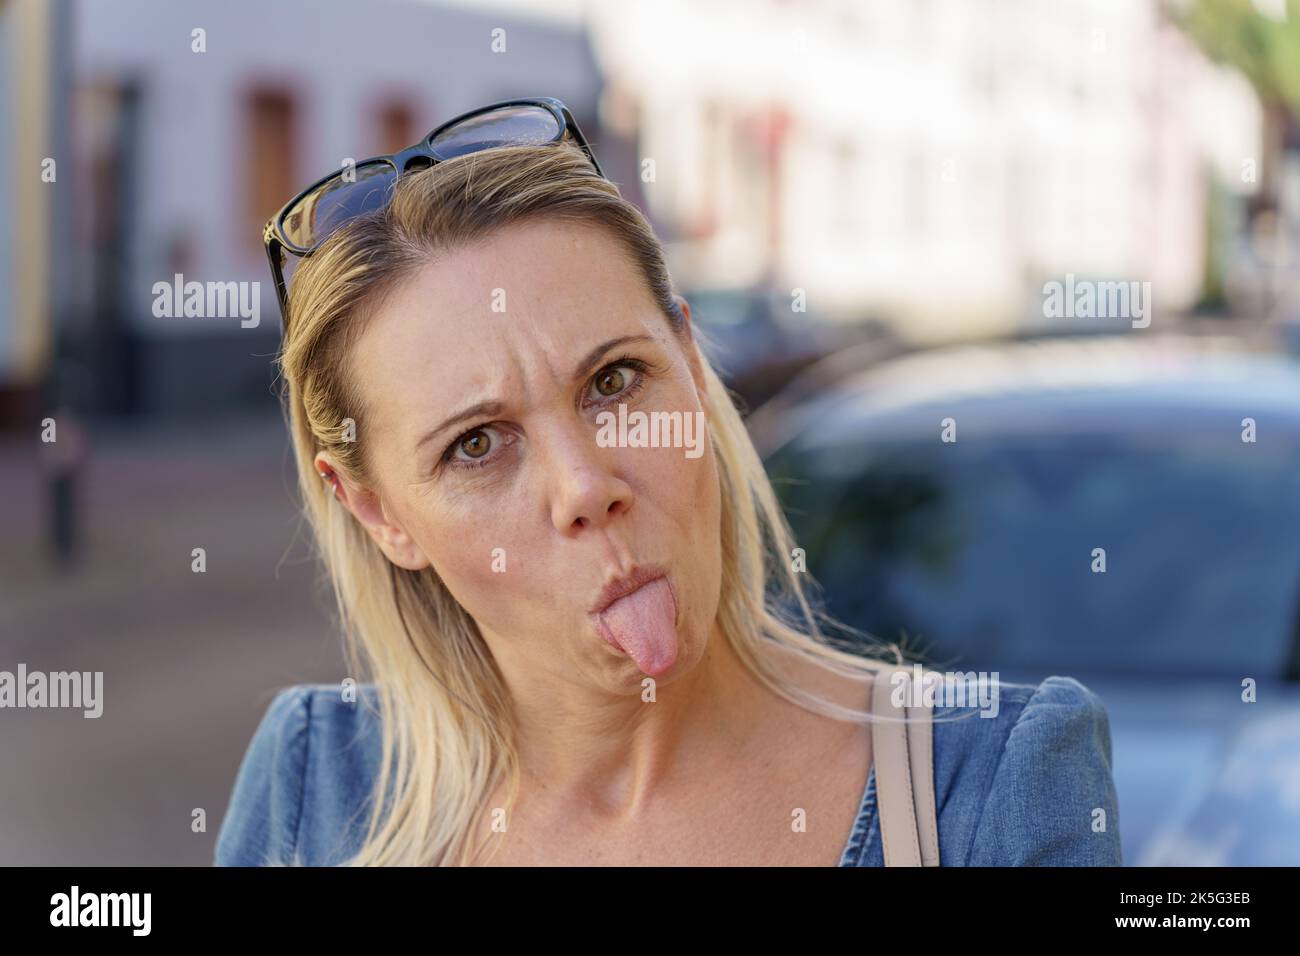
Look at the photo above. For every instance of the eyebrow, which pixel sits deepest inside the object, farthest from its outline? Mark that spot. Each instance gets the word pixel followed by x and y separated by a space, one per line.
pixel 494 407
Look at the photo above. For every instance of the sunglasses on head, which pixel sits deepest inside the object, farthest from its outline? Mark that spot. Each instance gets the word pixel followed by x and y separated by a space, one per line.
pixel 318 211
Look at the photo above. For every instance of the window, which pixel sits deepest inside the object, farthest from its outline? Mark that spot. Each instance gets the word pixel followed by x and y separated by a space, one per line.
pixel 396 130
pixel 847 206
pixel 980 551
pixel 272 141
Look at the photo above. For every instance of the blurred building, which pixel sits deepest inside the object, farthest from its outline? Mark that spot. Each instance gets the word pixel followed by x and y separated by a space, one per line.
pixel 929 161
pixel 185 143
pixel 32 40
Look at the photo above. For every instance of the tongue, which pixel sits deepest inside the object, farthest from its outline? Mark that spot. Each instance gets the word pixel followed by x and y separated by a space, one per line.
pixel 643 626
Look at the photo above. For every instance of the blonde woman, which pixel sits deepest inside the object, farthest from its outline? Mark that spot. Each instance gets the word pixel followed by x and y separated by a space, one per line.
pixel 573 641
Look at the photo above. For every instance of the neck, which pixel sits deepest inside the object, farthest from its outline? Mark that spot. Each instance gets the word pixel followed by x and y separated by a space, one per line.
pixel 615 753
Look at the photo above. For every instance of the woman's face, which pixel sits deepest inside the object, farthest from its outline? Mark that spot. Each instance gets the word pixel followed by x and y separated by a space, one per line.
pixel 485 376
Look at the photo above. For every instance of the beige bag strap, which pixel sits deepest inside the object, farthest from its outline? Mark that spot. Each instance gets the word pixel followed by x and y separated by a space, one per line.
pixel 904 759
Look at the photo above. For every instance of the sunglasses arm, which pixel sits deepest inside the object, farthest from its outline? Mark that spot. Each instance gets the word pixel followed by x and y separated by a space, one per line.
pixel 275 256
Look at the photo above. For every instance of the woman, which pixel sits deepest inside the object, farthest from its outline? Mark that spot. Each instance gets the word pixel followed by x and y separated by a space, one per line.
pixel 583 646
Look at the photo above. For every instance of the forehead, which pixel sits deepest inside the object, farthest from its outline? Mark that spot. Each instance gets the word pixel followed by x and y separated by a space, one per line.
pixel 503 313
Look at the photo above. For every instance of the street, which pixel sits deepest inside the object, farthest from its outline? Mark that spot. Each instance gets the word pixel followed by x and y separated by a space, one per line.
pixel 190 661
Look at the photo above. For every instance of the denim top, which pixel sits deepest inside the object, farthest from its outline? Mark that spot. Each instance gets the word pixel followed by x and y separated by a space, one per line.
pixel 1030 786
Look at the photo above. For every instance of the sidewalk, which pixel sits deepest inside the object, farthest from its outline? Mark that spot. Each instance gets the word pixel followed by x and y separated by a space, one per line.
pixel 190 661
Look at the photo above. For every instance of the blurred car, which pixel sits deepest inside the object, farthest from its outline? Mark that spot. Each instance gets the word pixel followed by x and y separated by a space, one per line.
pixel 758 343
pixel 982 553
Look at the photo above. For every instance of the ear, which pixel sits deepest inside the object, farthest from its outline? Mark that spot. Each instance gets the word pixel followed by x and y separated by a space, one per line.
pixel 368 508
pixel 693 356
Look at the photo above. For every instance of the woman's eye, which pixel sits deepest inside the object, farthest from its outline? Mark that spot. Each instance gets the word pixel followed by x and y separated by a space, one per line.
pixel 475 447
pixel 475 444
pixel 613 379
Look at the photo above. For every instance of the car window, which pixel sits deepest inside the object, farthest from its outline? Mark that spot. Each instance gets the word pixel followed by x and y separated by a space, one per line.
pixel 980 553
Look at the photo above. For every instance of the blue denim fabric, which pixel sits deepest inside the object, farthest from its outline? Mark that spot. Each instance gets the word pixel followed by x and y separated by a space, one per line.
pixel 1017 789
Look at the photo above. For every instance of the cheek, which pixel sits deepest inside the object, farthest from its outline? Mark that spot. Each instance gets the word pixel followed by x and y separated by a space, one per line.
pixel 700 549
pixel 481 554
pixel 687 494
pixel 707 535
pixel 705 492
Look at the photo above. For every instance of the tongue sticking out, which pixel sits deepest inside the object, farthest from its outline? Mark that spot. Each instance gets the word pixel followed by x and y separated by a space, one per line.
pixel 642 624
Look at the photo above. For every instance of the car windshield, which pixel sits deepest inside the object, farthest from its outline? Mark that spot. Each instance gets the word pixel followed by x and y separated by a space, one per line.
pixel 981 553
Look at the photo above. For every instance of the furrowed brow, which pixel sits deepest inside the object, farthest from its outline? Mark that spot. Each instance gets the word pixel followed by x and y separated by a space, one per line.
pixel 477 410
pixel 591 357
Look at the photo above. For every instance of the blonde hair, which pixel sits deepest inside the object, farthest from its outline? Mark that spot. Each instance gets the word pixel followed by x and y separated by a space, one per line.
pixel 446 715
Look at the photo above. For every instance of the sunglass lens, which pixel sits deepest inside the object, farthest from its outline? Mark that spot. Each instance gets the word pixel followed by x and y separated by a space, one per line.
pixel 338 201
pixel 508 126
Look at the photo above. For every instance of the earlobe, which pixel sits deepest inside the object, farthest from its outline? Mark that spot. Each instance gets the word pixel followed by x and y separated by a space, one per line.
pixel 398 546
pixel 402 551
pixel 368 509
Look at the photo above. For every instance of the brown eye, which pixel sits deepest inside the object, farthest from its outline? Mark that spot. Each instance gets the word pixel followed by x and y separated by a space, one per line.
pixel 475 444
pixel 478 448
pixel 611 381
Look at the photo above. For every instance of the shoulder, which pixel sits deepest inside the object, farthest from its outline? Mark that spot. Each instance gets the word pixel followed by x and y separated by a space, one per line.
pixel 1023 777
pixel 304 783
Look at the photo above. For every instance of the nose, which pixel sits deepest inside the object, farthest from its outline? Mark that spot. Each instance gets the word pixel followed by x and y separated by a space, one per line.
pixel 585 490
